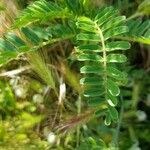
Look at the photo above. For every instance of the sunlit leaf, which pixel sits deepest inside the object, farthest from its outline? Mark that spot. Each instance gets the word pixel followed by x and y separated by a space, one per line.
pixel 118 45
pixel 113 88
pixel 116 58
pixel 112 100
pixel 88 37
pixel 107 119
pixel 113 22
pixel 115 31
pixel 92 69
pixel 88 47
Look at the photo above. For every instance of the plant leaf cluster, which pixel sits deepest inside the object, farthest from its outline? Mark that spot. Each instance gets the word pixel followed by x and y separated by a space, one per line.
pixel 99 52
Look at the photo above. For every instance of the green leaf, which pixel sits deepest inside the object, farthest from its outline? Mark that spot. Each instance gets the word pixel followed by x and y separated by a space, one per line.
pixel 88 47
pixel 88 37
pixel 116 58
pixel 86 24
pixel 2 8
pixel 18 42
pixel 73 5
pixel 92 69
pixel 59 31
pixel 113 22
pixel 113 113
pixel 117 45
pixel 113 88
pixel 5 45
pixel 95 101
pixel 112 100
pixel 86 27
pixel 115 31
pixel 147 35
pixel 94 91
pixel 42 33
pixel 107 120
pixel 87 20
pixel 90 57
pixel 105 14
pixel 42 11
pixel 91 81
pixel 31 35
pixel 5 56
pixel 99 113
pixel 138 31
pixel 116 74
pixel 143 28
pixel 134 26
pixel 108 24
pixel 144 7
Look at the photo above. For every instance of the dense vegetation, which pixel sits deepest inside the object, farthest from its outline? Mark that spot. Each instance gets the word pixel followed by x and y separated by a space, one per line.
pixel 74 75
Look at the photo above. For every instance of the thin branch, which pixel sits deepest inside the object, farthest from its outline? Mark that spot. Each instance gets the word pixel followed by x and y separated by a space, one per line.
pixel 12 73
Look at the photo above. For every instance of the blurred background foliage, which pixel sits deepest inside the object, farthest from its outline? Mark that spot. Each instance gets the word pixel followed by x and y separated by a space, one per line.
pixel 40 98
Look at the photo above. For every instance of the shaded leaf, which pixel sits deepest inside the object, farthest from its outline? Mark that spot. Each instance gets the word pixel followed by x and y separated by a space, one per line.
pixel 18 42
pixel 90 57
pixel 95 101
pixel 99 113
pixel 113 113
pixel 91 81
pixel 30 35
pixel 5 45
pixel 94 91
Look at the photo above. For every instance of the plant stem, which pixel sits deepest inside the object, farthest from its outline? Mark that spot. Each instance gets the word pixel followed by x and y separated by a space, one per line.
pixel 116 136
pixel 104 57
pixel 137 14
pixel 135 94
pixel 78 127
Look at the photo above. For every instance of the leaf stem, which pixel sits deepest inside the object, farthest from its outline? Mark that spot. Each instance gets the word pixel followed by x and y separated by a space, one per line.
pixel 104 57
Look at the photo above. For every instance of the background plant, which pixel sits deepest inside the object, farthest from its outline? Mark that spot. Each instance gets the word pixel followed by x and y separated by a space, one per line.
pixel 39 53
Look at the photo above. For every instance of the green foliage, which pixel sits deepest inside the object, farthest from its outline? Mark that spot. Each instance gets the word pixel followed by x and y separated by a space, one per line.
pixel 12 45
pixel 95 44
pixel 7 99
pixel 144 7
pixel 62 32
pixel 139 31
pixel 40 11
pixel 17 121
